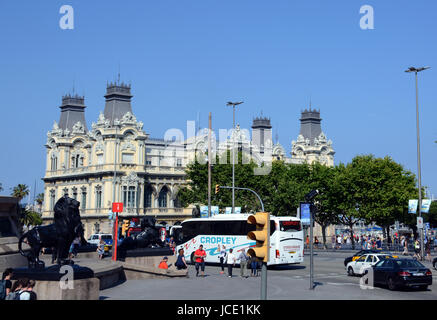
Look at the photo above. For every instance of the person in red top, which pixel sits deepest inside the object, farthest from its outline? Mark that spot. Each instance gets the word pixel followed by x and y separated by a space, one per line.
pixel 199 256
pixel 163 264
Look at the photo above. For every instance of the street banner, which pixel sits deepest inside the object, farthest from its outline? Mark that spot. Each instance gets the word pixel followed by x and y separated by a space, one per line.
pixel 229 210
pixel 412 206
pixel 426 203
pixel 204 211
pixel 214 210
pixel 305 212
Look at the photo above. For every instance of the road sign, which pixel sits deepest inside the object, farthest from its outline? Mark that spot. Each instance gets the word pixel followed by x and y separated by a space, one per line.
pixel 117 207
pixel 419 222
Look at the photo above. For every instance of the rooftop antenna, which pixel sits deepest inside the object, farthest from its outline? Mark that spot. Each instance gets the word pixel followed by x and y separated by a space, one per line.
pixel 118 72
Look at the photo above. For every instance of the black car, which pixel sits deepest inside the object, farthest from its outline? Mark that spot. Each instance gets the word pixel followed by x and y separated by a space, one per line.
pixel 397 273
pixel 359 254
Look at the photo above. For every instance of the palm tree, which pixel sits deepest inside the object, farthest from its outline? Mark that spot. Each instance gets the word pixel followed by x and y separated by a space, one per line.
pixel 20 191
pixel 40 200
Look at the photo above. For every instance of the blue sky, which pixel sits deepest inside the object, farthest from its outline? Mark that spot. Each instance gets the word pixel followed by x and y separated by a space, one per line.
pixel 191 56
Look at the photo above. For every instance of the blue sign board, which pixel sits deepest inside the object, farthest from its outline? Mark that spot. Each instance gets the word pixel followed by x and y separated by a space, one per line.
pixel 305 211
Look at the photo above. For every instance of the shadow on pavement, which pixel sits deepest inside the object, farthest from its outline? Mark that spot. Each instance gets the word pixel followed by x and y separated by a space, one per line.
pixel 286 267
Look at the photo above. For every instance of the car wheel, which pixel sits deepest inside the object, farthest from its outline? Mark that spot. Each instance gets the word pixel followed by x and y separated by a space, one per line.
pixel 350 272
pixel 391 284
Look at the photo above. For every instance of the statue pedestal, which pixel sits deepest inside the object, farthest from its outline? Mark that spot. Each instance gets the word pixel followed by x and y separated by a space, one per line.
pixel 62 282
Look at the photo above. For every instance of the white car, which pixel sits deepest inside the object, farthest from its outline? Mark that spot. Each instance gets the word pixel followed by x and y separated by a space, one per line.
pixel 364 262
pixel 95 238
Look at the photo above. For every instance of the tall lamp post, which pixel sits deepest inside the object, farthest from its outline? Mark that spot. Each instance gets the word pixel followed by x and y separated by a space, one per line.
pixel 233 104
pixel 416 71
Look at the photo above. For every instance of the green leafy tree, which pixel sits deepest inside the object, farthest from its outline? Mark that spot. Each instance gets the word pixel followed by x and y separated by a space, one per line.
pixel 29 217
pixel 20 191
pixel 322 178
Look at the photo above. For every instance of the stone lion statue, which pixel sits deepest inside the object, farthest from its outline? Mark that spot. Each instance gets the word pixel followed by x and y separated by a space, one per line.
pixel 59 235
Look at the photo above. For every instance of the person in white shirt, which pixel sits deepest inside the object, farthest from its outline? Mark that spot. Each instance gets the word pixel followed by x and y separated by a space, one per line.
pixel 230 261
pixel 222 257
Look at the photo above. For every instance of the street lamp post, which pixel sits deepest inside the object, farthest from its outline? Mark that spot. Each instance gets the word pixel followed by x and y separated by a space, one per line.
pixel 416 71
pixel 233 104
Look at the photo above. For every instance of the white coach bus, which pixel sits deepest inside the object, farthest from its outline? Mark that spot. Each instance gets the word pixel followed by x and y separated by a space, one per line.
pixel 286 237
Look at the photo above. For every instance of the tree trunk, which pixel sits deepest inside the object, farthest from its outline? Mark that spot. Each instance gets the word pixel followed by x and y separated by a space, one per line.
pixel 352 236
pixel 324 235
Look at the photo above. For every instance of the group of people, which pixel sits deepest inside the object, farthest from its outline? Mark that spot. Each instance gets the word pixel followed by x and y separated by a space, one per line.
pixel 21 289
pixel 226 259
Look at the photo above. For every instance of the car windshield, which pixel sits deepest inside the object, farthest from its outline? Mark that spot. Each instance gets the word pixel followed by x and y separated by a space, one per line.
pixel 409 264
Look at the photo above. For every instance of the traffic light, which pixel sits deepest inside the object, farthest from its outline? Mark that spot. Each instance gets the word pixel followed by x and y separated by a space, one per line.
pixel 261 235
pixel 125 227
pixel 217 188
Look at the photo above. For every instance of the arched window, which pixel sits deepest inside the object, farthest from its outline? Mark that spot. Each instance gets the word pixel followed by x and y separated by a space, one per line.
pixel 54 163
pixel 162 199
pixel 98 197
pixel 148 197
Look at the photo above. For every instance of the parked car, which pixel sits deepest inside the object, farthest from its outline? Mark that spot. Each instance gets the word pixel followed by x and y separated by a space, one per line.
pixel 397 273
pixel 95 238
pixel 359 266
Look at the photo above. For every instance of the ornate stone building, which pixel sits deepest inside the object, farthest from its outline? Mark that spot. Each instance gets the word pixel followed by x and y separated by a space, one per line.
pixel 117 161
pixel 84 164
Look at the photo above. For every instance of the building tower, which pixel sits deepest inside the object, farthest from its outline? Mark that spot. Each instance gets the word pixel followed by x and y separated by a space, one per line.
pixel 72 113
pixel 118 101
pixel 312 144
pixel 261 133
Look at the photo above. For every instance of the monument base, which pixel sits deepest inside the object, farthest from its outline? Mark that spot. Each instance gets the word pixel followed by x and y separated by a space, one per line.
pixel 70 282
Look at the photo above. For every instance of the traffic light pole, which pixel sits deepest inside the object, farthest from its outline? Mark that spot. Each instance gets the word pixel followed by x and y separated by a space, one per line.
pixel 264 281
pixel 311 249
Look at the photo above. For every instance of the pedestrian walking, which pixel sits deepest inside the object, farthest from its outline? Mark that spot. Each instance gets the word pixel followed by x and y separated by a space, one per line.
pixel 417 250
pixel 199 258
pixel 230 261
pixel 428 251
pixel 404 243
pixel 222 257
pixel 333 241
pixel 307 241
pixel 181 263
pixel 101 249
pixel 6 283
pixel 253 266
pixel 338 242
pixel 243 263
